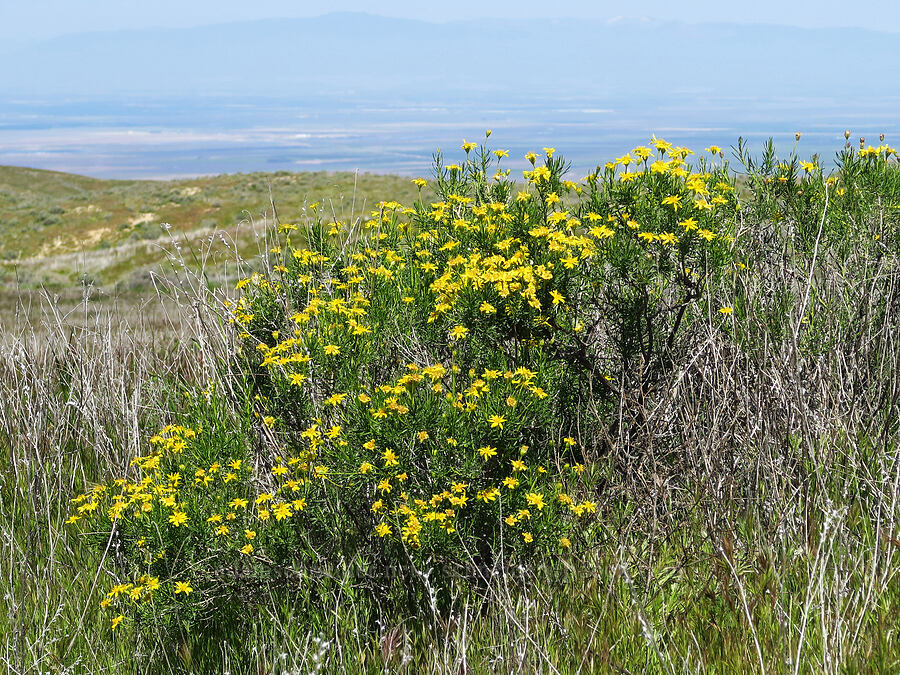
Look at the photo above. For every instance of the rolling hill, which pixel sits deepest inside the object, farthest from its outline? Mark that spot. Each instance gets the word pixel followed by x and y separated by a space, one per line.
pixel 57 228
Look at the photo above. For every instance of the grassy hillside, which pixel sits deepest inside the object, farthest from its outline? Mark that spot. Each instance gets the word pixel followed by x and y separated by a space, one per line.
pixel 58 228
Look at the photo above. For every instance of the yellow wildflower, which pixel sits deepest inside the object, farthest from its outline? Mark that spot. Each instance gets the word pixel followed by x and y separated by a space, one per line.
pixel 183 587
pixel 487 452
pixel 458 332
pixel 535 499
pixel 178 518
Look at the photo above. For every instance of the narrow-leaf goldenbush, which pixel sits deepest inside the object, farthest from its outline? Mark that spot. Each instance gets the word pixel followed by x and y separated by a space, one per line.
pixel 428 385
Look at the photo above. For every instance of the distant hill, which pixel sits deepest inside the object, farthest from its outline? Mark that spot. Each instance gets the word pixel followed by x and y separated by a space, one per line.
pixel 348 52
pixel 56 228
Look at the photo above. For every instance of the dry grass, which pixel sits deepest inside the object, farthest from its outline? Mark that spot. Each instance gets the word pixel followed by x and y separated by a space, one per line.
pixel 748 522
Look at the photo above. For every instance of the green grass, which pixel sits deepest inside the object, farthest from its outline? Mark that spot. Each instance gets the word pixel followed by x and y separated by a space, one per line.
pixel 657 591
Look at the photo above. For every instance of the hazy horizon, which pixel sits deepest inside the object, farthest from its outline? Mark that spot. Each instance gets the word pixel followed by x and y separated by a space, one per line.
pixel 42 19
pixel 346 91
pixel 400 139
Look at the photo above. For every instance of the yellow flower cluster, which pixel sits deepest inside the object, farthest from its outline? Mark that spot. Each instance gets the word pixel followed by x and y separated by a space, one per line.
pixel 466 261
pixel 480 290
pixel 166 491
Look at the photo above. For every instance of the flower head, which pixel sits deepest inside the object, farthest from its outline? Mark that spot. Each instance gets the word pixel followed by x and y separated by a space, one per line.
pixel 178 518
pixel 183 587
pixel 459 332
pixel 535 499
pixel 487 452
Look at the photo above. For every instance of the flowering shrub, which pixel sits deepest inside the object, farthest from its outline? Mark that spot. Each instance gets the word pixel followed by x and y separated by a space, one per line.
pixel 425 386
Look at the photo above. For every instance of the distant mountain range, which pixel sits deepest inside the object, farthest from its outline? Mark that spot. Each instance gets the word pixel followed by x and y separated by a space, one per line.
pixel 352 53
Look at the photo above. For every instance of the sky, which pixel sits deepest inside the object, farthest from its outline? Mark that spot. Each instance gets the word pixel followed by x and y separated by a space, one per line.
pixel 26 20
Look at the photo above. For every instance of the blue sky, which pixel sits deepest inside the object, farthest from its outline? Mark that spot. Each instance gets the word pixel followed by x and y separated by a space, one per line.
pixel 34 19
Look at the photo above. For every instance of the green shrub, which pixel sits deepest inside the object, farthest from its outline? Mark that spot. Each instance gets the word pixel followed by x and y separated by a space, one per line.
pixel 421 390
